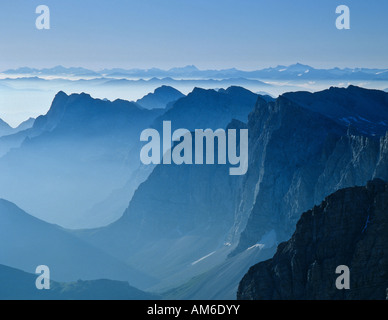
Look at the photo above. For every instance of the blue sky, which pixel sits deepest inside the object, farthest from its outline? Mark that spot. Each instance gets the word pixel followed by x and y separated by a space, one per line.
pixel 246 34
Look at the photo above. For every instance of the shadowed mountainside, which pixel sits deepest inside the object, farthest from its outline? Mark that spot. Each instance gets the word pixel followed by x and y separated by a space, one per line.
pixel 350 227
pixel 27 242
pixel 19 285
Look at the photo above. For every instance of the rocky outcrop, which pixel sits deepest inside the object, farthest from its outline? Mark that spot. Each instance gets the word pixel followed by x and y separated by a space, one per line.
pixel 299 155
pixel 350 227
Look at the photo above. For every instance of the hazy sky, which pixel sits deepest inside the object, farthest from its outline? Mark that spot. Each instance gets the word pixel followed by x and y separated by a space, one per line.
pixel 247 34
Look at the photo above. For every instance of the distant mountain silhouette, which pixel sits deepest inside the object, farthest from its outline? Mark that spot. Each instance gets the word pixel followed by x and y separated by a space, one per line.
pixel 27 242
pixel 291 72
pixel 171 215
pixel 25 124
pixel 73 157
pixel 194 228
pixel 6 129
pixel 160 98
pixel 55 71
pixel 203 109
pixel 299 154
pixel 20 285
pixel 199 109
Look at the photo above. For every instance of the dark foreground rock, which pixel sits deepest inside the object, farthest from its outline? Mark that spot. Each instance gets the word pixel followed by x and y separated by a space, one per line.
pixel 350 227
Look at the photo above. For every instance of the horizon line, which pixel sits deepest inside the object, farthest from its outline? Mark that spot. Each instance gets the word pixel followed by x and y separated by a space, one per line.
pixel 189 66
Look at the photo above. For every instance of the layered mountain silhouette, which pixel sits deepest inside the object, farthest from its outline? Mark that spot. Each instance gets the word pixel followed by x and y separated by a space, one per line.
pixel 73 157
pixel 200 109
pixel 350 227
pixel 194 228
pixel 203 109
pixel 6 129
pixel 298 155
pixel 170 215
pixel 281 72
pixel 160 98
pixel 27 242
pixel 301 154
pixel 20 285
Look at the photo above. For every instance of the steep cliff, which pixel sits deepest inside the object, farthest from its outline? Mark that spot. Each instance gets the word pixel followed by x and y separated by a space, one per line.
pixel 301 150
pixel 350 227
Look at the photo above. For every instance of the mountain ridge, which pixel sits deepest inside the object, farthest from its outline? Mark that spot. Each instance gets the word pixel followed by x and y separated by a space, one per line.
pixel 294 71
pixel 38 242
pixel 20 285
pixel 348 228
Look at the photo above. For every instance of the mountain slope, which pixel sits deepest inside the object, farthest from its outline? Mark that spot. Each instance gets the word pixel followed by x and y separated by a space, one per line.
pixel 13 137
pixel 193 209
pixel 171 223
pixel 5 129
pixel 365 110
pixel 221 282
pixel 182 214
pixel 160 98
pixel 350 227
pixel 294 167
pixel 27 242
pixel 202 109
pixel 27 124
pixel 20 285
pixel 72 157
pixel 292 72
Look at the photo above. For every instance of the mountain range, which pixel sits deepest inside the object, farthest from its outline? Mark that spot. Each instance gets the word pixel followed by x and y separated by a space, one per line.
pixel 73 156
pixel 85 151
pixel 193 231
pixel 294 71
pixel 300 152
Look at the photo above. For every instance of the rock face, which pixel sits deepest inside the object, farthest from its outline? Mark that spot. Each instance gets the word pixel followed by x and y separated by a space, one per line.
pixel 181 213
pixel 302 150
pixel 350 227
pixel 298 155
pixel 202 109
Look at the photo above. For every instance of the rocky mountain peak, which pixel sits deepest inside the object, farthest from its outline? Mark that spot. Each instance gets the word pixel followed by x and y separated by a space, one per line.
pixel 350 227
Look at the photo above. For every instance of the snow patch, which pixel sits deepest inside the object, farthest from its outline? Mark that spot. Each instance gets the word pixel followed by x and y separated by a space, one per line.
pixel 267 241
pixel 257 245
pixel 203 258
